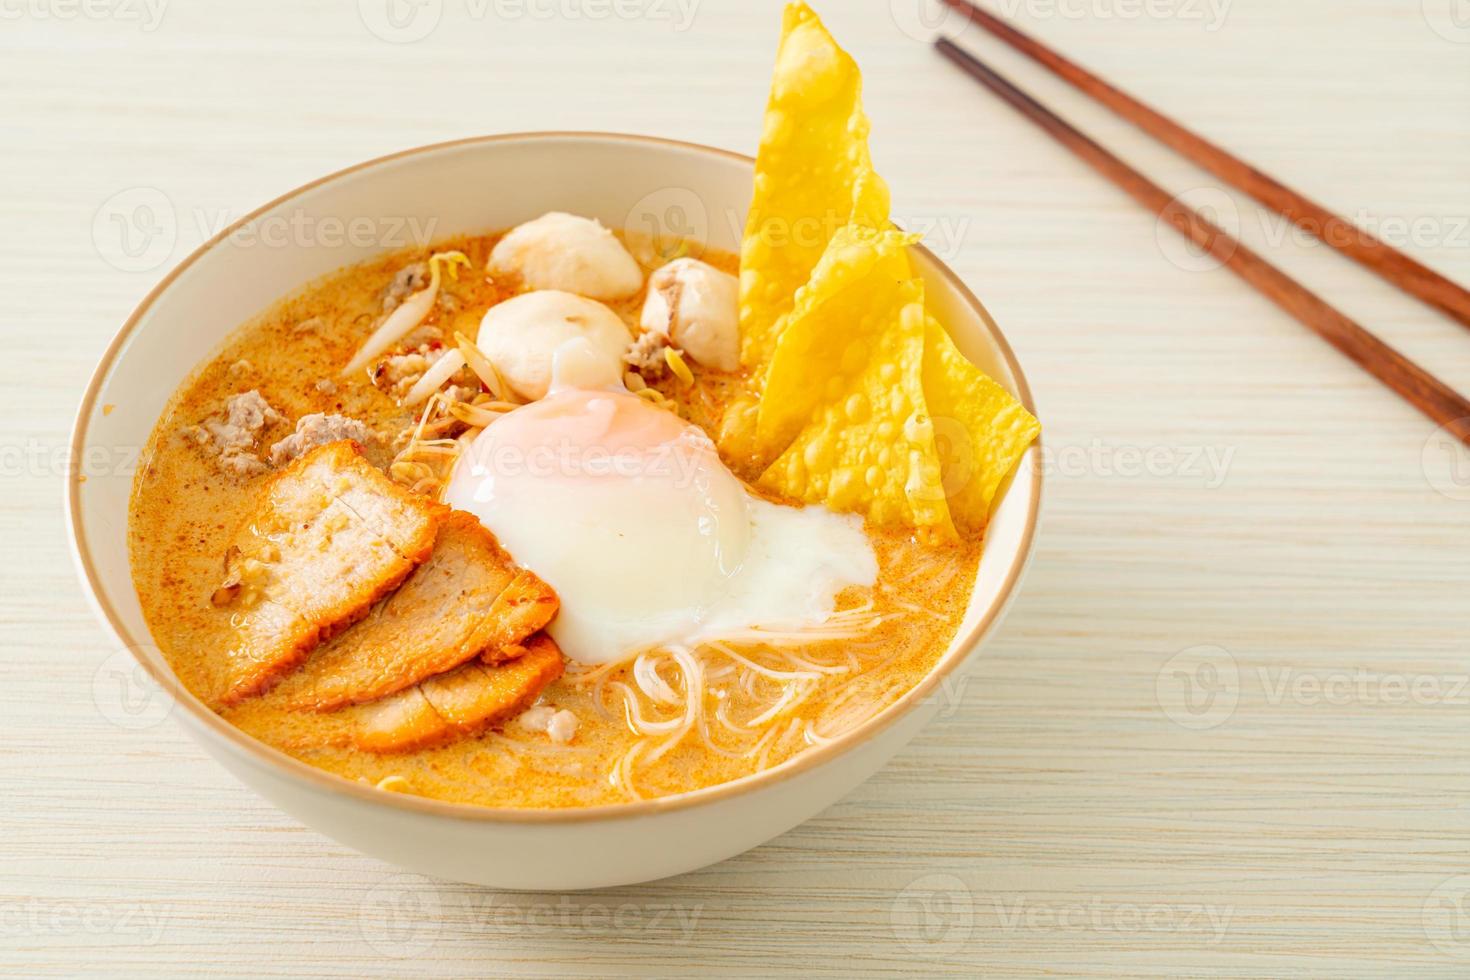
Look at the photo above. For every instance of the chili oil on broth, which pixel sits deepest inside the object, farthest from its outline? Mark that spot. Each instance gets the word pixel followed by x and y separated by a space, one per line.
pixel 755 704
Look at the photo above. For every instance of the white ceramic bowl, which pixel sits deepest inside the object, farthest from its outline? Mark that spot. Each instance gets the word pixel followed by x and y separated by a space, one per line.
pixel 480 185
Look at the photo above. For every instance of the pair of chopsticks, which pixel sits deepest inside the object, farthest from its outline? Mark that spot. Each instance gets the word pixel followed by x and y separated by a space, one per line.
pixel 1415 385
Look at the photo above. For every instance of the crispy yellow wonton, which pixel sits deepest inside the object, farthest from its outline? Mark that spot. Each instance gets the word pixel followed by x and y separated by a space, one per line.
pixel 858 398
pixel 856 434
pixel 812 176
pixel 981 430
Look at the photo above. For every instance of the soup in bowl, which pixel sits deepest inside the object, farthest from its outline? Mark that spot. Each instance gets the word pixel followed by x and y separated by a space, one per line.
pixel 647 488
pixel 177 359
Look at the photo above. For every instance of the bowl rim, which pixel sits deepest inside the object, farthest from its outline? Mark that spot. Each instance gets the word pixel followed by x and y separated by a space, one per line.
pixel 960 649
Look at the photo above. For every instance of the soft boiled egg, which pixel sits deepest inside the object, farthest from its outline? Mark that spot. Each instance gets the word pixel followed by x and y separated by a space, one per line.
pixel 569 252
pixel 627 511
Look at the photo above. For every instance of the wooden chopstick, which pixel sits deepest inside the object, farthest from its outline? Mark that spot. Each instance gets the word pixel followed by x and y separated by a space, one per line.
pixel 1370 252
pixel 1411 382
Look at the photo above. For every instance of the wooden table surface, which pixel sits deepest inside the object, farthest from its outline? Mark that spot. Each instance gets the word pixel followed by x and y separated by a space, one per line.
pixel 1223 731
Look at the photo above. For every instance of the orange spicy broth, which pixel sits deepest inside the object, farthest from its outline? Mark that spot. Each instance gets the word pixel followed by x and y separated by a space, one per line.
pixel 184 509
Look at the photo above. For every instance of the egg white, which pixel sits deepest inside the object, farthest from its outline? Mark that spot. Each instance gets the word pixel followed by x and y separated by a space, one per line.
pixel 648 539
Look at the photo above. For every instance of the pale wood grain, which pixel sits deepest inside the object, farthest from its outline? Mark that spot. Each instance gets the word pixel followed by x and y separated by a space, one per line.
pixel 1075 828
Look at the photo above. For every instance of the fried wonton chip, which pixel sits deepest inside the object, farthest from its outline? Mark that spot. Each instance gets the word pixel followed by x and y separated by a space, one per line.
pixel 844 400
pixel 856 399
pixel 737 436
pixel 981 429
pixel 831 331
pixel 813 175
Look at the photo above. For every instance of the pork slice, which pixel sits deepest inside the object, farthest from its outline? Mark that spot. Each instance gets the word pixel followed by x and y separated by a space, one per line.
pixel 457 704
pixel 407 521
pixel 401 722
pixel 270 638
pixel 328 536
pixel 525 605
pixel 468 599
